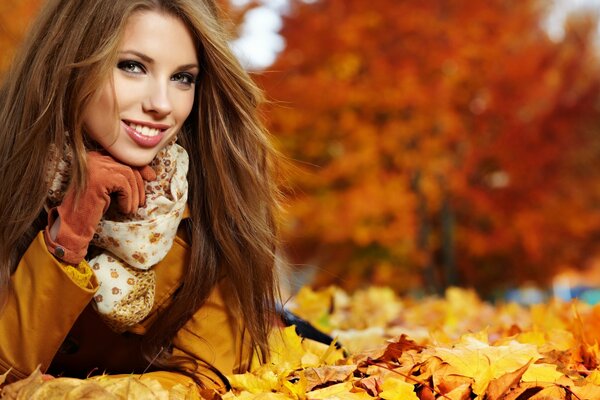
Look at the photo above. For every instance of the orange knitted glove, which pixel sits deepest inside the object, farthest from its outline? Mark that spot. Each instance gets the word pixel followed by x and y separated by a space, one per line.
pixel 79 218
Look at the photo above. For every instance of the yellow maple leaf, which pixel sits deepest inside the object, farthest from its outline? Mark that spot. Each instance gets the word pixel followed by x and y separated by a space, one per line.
pixel 482 362
pixel 327 355
pixel 397 389
pixel 285 349
pixel 541 373
pixel 289 351
pixel 588 391
pixel 267 381
pixel 340 391
pixel 462 392
pixel 594 377
pixel 533 337
pixel 244 395
pixel 315 305
pixel 559 339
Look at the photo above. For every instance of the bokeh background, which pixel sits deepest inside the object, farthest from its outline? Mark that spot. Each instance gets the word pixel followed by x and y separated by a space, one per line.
pixel 429 143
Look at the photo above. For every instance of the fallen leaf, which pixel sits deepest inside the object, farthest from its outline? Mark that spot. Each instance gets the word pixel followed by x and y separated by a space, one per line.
pixel 397 389
pixel 395 349
pixel 253 383
pixel 133 388
pixel 550 393
pixel 482 362
pixel 503 384
pixel 23 388
pixel 371 384
pixel 587 391
pixel 327 374
pixel 338 391
pixel 71 389
pixel 542 373
pixel 462 392
pixel 444 381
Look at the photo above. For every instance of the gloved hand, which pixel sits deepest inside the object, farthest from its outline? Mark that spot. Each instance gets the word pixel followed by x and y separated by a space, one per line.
pixel 77 219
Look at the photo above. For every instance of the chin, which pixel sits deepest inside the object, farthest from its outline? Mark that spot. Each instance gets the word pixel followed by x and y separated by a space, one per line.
pixel 135 161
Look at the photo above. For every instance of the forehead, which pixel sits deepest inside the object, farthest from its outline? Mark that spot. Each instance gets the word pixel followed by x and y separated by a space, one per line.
pixel 159 35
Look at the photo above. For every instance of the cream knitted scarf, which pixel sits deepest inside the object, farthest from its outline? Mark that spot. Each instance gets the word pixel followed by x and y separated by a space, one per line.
pixel 134 243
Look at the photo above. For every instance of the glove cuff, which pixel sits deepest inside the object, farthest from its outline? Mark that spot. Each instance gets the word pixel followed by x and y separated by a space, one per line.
pixel 67 246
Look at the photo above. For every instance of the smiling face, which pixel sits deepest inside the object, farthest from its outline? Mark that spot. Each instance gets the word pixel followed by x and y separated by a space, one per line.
pixel 152 89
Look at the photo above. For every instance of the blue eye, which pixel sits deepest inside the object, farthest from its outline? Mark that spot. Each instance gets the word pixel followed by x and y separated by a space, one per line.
pixel 130 66
pixel 184 78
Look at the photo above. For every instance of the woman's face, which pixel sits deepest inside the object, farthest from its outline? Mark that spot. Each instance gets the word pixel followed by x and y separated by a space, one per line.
pixel 152 89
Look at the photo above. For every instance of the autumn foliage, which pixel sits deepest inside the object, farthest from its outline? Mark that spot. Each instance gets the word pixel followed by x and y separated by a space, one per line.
pixel 437 143
pixel 15 16
pixel 455 347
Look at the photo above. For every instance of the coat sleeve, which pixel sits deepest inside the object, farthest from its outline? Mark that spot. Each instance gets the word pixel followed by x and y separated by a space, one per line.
pixel 43 303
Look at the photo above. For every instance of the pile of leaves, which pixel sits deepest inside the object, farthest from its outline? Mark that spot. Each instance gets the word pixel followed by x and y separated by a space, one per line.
pixel 453 347
pixel 41 387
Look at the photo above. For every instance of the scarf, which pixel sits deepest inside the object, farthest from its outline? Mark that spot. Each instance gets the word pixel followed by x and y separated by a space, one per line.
pixel 133 243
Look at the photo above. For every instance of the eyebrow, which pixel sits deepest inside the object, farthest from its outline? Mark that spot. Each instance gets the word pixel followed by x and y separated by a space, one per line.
pixel 150 60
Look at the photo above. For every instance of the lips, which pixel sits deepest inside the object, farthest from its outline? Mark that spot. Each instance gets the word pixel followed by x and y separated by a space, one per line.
pixel 144 135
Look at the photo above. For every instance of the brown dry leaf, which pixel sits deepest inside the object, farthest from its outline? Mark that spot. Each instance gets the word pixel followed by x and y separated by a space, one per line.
pixel 395 349
pixel 426 393
pixel 22 389
pixel 327 374
pixel 428 368
pixel 371 384
pixel 524 390
pixel 502 385
pixel 553 392
pixel 444 381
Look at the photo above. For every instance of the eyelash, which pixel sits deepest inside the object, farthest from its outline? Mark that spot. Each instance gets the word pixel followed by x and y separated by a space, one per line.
pixel 127 64
pixel 185 79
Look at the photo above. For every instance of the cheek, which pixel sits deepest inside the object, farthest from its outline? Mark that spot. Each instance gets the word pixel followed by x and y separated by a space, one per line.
pixel 95 120
pixel 184 106
pixel 127 93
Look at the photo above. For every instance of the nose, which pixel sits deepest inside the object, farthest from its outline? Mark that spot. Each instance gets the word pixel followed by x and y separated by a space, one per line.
pixel 157 100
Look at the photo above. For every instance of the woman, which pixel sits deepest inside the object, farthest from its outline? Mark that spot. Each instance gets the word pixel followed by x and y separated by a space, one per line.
pixel 112 258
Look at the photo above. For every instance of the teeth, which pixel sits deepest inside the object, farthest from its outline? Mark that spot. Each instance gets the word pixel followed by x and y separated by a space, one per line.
pixel 145 130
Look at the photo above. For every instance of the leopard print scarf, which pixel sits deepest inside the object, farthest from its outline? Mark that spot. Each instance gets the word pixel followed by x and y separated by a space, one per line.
pixel 133 243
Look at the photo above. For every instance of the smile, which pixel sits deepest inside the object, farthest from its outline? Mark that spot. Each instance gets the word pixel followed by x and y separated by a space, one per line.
pixel 145 130
pixel 145 135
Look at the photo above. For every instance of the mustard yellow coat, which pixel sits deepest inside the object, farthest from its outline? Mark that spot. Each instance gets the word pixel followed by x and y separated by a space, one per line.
pixel 49 320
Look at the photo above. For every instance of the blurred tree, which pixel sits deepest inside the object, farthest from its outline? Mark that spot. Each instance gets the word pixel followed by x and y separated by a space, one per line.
pixel 437 142
pixel 15 16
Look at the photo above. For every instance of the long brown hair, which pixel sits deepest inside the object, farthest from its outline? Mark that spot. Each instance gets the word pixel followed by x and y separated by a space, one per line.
pixel 233 200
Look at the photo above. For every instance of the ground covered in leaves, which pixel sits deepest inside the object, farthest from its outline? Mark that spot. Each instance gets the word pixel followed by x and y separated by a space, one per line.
pixel 455 347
